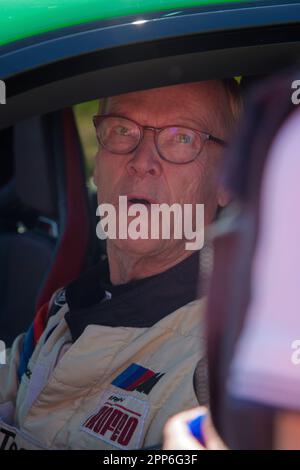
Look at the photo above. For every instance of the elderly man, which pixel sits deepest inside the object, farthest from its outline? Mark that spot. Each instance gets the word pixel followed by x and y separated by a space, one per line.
pixel 121 344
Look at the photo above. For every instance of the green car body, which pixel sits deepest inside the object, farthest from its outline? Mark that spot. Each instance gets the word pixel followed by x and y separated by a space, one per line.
pixel 21 19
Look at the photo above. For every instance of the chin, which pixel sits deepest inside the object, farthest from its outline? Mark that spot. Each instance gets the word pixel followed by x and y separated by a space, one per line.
pixel 139 247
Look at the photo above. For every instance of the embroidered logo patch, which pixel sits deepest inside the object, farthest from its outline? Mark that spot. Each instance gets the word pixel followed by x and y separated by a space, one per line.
pixel 60 298
pixel 137 378
pixel 119 420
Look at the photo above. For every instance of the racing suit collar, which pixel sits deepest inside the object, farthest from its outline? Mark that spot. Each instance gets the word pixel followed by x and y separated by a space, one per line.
pixel 137 304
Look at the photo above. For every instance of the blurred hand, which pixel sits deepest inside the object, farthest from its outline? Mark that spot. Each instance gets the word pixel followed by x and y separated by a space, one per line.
pixel 177 435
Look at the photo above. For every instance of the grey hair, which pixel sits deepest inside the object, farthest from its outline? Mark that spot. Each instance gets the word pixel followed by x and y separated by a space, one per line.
pixel 232 90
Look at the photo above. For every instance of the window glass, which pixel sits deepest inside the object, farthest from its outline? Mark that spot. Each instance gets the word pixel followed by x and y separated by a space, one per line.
pixel 83 114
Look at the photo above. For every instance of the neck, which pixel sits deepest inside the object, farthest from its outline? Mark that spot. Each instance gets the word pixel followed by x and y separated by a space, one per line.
pixel 126 267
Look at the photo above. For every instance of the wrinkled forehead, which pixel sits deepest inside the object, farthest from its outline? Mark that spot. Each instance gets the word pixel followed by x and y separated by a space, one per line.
pixel 197 104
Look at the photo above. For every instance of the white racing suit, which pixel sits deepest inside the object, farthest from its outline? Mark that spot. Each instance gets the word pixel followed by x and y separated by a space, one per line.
pixel 111 387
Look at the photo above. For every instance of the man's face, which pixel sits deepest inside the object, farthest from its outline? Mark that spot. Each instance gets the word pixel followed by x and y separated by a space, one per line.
pixel 144 174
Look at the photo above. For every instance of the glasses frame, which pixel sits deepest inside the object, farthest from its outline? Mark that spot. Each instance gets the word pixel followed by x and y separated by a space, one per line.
pixel 205 136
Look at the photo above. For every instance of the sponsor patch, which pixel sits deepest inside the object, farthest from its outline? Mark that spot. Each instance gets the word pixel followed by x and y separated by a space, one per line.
pixel 60 298
pixel 119 420
pixel 137 378
pixel 12 438
pixel 7 438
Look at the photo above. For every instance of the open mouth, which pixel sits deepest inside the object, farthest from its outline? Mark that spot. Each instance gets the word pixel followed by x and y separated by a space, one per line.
pixel 143 201
pixel 140 200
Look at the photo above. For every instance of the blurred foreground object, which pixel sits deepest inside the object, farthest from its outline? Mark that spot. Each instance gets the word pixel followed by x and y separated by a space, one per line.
pixel 253 320
pixel 252 312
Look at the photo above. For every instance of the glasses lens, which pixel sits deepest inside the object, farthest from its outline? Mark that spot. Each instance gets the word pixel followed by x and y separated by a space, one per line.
pixel 179 144
pixel 118 135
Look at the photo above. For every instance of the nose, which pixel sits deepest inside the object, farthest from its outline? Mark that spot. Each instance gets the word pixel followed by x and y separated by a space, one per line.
pixel 145 159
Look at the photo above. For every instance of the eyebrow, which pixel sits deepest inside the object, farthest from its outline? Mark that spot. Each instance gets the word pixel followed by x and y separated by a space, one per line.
pixel 200 124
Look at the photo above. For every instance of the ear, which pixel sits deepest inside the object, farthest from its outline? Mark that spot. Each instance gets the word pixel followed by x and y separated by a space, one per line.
pixel 223 197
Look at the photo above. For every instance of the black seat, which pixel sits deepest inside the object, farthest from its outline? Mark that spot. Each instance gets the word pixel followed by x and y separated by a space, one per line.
pixel 45 222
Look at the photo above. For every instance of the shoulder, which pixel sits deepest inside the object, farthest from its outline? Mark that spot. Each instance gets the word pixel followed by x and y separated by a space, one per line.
pixel 187 321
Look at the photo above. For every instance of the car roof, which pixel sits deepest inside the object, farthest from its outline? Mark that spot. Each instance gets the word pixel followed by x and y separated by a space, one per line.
pixel 167 44
pixel 21 19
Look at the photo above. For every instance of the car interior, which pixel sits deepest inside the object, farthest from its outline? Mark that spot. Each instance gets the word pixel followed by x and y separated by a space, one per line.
pixel 47 211
pixel 40 216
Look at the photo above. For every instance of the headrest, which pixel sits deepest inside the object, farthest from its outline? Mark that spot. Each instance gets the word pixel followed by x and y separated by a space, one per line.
pixel 35 166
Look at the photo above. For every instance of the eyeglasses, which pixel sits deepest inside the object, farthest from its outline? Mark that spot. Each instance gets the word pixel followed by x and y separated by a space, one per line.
pixel 175 144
